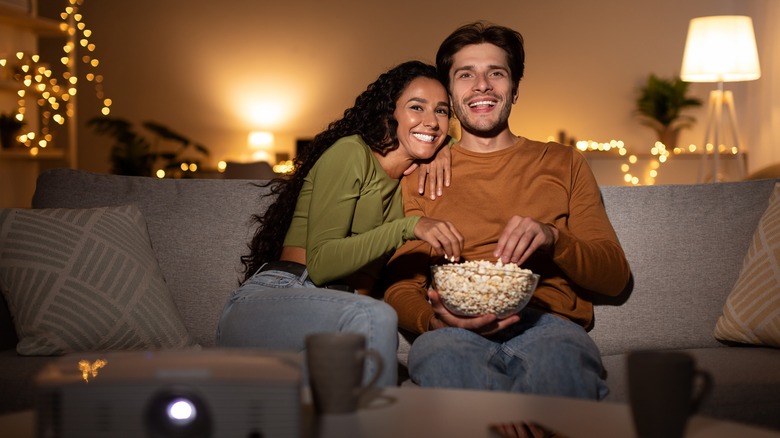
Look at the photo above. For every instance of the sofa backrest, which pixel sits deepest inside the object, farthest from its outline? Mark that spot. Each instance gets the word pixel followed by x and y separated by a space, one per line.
pixel 199 228
pixel 685 245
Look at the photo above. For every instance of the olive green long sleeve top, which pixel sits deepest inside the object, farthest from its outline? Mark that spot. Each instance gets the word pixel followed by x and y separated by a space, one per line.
pixel 549 182
pixel 349 214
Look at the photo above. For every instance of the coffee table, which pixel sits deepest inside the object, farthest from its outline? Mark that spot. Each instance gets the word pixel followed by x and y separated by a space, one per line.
pixel 422 412
pixel 411 412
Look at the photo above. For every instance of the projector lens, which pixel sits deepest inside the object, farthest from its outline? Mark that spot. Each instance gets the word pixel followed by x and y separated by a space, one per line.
pixel 182 411
pixel 177 412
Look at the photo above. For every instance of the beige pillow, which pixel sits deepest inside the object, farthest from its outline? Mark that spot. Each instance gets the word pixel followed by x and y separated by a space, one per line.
pixel 751 314
pixel 80 280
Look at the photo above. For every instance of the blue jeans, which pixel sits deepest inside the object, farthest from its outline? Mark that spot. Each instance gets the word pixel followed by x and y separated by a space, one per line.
pixel 541 354
pixel 276 310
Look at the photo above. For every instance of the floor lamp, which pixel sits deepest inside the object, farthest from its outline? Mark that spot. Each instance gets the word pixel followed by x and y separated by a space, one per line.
pixel 720 49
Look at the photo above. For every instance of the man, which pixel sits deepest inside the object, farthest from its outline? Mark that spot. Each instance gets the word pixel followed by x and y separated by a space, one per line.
pixel 535 204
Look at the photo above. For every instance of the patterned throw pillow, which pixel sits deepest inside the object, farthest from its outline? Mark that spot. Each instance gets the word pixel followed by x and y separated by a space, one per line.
pixel 751 314
pixel 80 280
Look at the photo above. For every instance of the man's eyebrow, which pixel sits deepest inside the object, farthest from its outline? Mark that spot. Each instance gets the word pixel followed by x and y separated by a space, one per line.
pixel 465 67
pixel 473 67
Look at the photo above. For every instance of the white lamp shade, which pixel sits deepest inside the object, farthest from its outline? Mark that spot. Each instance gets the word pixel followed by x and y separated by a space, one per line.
pixel 720 48
pixel 261 140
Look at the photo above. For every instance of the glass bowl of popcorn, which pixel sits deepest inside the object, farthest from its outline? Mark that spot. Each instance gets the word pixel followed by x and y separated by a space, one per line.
pixel 477 288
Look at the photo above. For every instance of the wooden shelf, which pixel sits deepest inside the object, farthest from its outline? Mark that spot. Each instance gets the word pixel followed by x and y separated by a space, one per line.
pixel 24 24
pixel 18 18
pixel 646 155
pixel 24 154
pixel 11 85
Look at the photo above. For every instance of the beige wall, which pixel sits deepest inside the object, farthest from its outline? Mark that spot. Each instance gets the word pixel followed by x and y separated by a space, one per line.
pixel 198 66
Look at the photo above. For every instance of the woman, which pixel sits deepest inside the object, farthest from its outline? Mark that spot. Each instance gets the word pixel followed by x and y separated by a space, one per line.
pixel 338 218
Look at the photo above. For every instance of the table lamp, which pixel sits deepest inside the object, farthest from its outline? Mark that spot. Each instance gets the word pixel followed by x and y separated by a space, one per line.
pixel 720 49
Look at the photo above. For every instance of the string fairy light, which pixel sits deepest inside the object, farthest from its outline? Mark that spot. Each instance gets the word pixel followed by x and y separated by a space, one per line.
pixel 660 155
pixel 54 96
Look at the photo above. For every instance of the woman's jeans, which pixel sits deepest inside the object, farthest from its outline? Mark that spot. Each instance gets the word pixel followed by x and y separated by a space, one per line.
pixel 275 310
pixel 541 354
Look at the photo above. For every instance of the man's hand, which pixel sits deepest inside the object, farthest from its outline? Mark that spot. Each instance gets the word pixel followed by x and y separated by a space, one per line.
pixel 523 236
pixel 437 172
pixel 443 237
pixel 484 325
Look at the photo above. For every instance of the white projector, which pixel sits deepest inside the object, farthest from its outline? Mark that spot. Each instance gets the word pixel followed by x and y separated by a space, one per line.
pixel 209 393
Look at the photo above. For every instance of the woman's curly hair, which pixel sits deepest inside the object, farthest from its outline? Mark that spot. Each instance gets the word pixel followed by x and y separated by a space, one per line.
pixel 371 117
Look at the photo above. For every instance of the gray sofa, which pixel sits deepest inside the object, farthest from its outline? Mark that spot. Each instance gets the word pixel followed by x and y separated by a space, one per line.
pixel 685 244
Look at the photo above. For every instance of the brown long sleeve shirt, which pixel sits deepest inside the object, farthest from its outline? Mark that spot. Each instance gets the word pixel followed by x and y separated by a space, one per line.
pixel 549 182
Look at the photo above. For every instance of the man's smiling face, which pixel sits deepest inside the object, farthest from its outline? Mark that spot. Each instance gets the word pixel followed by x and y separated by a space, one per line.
pixel 481 88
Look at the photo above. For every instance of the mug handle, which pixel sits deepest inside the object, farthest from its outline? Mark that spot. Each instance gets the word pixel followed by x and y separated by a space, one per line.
pixel 704 389
pixel 379 368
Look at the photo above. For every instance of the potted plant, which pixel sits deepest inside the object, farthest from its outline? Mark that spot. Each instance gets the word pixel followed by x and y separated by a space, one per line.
pixel 660 103
pixel 133 154
pixel 9 129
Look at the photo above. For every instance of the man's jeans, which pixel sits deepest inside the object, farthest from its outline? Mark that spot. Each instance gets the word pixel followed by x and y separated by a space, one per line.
pixel 276 310
pixel 541 354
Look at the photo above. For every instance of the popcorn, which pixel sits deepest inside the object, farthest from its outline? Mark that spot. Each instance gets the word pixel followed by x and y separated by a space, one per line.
pixel 476 288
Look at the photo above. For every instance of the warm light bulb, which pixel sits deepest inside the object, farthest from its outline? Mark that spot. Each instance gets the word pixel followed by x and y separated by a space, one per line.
pixel 262 140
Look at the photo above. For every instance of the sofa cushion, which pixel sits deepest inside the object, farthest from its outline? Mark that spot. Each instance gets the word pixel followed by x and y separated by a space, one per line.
pixel 199 230
pixel 685 244
pixel 751 314
pixel 85 280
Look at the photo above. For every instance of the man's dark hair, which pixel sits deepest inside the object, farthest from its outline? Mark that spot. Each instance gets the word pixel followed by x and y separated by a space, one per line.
pixel 477 33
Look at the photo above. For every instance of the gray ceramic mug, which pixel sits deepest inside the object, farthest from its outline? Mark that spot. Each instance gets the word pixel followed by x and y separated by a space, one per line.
pixel 335 362
pixel 665 388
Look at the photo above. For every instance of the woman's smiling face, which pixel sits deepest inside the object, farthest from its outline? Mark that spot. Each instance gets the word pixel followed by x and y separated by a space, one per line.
pixel 423 115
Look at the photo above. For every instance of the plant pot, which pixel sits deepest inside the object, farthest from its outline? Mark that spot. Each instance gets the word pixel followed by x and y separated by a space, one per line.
pixel 7 139
pixel 9 130
pixel 669 137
